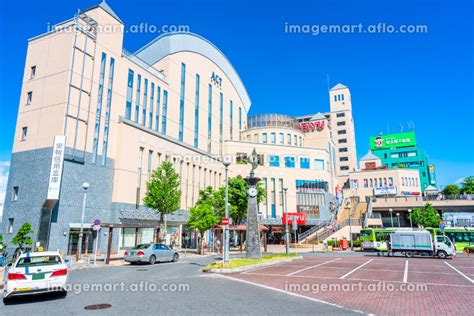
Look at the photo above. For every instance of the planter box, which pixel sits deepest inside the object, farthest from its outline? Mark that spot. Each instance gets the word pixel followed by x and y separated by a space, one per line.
pixel 253 266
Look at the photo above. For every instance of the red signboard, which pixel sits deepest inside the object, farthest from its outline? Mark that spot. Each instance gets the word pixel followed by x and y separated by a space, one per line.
pixel 300 218
pixel 311 126
pixel 225 221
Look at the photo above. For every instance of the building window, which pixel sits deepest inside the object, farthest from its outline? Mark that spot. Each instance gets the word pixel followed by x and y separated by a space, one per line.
pixel 344 168
pixel 342 97
pixel 181 102
pixel 15 194
pixel 145 101
pixel 288 139
pixel 318 164
pixel 304 163
pixel 107 110
pixel 273 197
pixel 139 176
pixel 221 120
pixel 343 149
pixel 165 112
pixel 264 138
pixel 371 183
pixel 289 162
pixel 366 183
pixel 231 109
pixel 157 112
pixel 301 141
pixel 264 185
pixel 295 140
pixel 280 184
pixel 29 97
pixel 342 123
pixel 99 108
pixel 24 133
pixel 241 158
pixel 209 118
pixel 240 119
pixel 196 112
pixel 137 98
pixel 32 72
pixel 273 138
pixel 344 159
pixel 282 138
pixel 342 141
pixel 152 103
pixel 150 157
pixel 340 114
pixel 335 98
pixel 256 138
pixel 342 132
pixel 10 226
pixel 128 104
pixel 274 161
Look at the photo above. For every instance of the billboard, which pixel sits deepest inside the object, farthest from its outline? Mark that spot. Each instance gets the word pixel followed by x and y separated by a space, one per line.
pixel 392 141
pixel 385 191
pixel 56 167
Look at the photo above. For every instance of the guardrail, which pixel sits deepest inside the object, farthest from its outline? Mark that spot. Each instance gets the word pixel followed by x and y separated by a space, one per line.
pixel 330 223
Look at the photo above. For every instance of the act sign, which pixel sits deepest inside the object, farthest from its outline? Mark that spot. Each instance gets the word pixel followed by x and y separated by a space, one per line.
pixel 96 225
pixel 225 221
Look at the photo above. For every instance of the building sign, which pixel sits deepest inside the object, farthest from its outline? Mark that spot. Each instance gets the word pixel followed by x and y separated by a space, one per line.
pixel 370 166
pixel 385 191
pixel 311 211
pixel 300 218
pixel 410 193
pixel 56 167
pixel 216 80
pixel 392 141
pixel 312 126
pixel 431 169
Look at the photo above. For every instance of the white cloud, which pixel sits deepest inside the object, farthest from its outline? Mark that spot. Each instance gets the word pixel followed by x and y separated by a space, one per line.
pixel 4 170
pixel 459 181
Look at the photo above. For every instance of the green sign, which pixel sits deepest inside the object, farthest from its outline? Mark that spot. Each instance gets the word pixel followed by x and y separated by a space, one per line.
pixel 392 141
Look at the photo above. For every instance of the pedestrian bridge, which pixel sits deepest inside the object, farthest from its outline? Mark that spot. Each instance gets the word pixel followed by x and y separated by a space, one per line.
pixel 461 203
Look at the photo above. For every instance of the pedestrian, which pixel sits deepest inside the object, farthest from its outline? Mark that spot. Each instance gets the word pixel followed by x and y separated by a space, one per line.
pixel 387 243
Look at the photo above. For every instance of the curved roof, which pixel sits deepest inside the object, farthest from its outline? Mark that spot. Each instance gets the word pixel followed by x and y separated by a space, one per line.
pixel 171 43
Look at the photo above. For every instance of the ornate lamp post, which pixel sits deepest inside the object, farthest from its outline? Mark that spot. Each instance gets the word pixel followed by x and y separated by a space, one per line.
pixel 398 218
pixel 226 227
pixel 391 215
pixel 409 214
pixel 252 250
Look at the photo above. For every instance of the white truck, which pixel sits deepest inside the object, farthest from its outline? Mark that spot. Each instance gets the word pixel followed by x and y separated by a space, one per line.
pixel 421 243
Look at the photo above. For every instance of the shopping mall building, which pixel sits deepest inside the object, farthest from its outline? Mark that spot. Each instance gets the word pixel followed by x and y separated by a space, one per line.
pixel 92 112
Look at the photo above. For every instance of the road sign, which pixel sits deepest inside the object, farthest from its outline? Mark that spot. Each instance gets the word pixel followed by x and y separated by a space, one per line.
pixel 96 221
pixel 441 227
pixel 95 227
pixel 225 221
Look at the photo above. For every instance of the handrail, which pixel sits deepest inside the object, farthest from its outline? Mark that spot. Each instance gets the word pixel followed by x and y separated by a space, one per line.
pixel 368 213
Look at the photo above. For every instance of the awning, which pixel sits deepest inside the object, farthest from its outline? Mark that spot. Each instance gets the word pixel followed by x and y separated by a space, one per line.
pixel 238 227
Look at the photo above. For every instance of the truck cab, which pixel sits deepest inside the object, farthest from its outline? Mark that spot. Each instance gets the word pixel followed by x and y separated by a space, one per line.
pixel 444 247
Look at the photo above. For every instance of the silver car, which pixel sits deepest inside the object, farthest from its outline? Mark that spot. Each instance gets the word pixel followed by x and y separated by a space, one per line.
pixel 150 253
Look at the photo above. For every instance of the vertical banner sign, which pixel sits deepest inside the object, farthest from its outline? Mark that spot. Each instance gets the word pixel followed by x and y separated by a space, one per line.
pixel 56 167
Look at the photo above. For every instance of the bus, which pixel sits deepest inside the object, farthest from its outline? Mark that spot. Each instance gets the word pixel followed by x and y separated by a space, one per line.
pixel 375 238
pixel 461 236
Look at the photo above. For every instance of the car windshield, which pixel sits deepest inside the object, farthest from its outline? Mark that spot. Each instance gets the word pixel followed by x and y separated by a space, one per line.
pixel 366 233
pixel 142 246
pixel 38 261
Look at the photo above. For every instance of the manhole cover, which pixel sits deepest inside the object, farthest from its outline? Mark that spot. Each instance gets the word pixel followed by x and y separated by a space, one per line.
pixel 97 306
pixel 141 270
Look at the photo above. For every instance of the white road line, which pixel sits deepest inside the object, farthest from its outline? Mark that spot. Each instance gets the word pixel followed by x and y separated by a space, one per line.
pixel 405 274
pixel 467 278
pixel 350 272
pixel 311 267
pixel 293 294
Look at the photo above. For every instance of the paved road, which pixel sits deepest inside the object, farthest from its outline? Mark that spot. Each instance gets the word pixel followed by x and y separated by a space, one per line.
pixel 200 294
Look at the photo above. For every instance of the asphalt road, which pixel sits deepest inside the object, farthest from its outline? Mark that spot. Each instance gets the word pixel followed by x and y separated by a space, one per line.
pixel 165 288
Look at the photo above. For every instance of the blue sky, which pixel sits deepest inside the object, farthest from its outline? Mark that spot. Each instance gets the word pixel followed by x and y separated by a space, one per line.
pixel 394 78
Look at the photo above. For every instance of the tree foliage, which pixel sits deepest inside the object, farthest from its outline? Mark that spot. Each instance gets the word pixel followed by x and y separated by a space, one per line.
pixel 451 189
pixel 163 190
pixel 202 218
pixel 467 185
pixel 426 216
pixel 22 237
pixel 2 244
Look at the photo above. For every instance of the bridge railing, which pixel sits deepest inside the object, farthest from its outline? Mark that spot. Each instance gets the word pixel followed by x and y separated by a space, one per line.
pixel 441 196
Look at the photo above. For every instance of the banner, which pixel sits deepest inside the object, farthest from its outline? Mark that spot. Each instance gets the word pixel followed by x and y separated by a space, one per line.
pixel 57 160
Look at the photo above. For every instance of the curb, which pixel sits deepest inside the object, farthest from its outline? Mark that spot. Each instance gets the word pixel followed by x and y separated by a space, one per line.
pixel 251 267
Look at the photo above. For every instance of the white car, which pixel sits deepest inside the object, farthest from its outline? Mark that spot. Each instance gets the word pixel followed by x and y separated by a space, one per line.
pixel 34 273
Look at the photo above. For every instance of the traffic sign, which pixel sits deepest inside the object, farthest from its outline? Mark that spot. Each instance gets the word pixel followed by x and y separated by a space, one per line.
pixel 441 227
pixel 225 221
pixel 96 221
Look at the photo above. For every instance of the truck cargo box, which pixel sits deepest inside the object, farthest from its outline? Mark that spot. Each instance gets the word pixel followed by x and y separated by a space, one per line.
pixel 411 240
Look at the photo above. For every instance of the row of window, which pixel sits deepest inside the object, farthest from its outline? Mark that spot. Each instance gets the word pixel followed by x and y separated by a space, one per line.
pixel 338 97
pixel 270 207
pixel 291 140
pixel 388 182
pixel 290 161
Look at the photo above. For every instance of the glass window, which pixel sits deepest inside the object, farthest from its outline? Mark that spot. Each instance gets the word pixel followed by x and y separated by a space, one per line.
pixel 145 101
pixel 181 102
pixel 221 120
pixel 128 237
pixel 342 141
pixel 24 133
pixel 318 164
pixel 289 162
pixel 340 114
pixel 10 225
pixel 342 123
pixel 33 72
pixel 274 161
pixel 264 138
pixel 209 117
pixel 137 98
pixel 256 138
pixel 343 149
pixel 288 136
pixel 165 112
pixel 15 194
pixel 196 112
pixel 128 104
pixel 273 138
pixel 295 140
pixel 240 119
pixel 98 115
pixel 157 112
pixel 366 183
pixel 231 109
pixel 107 110
pixel 304 163
pixel 152 104
pixel 342 132
pixel 282 138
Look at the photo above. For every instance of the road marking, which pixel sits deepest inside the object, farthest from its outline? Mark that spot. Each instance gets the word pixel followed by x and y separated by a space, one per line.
pixel 354 270
pixel 292 294
pixel 468 278
pixel 311 267
pixel 405 274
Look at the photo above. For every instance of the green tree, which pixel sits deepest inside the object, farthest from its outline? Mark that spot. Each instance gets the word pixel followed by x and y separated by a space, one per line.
pixel 426 216
pixel 202 218
pixel 2 244
pixel 163 194
pixel 22 237
pixel 208 196
pixel 451 189
pixel 467 185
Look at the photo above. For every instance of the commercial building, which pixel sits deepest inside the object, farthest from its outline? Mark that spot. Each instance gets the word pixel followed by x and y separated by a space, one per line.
pixel 401 151
pixel 92 112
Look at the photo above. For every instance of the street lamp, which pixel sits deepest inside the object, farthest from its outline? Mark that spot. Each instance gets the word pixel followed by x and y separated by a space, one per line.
pixel 391 215
pixel 409 214
pixel 226 227
pixel 398 219
pixel 85 187
pixel 350 228
pixel 287 234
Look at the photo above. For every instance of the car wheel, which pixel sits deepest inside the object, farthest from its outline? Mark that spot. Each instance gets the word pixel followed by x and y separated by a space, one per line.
pixel 409 254
pixel 152 259
pixel 442 254
pixel 133 263
pixel 175 257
